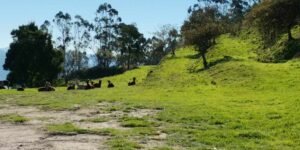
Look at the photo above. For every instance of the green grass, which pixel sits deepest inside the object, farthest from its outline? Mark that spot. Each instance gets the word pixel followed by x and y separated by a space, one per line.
pixel 121 143
pixel 238 103
pixel 96 120
pixel 65 129
pixel 13 118
pixel 71 129
pixel 135 122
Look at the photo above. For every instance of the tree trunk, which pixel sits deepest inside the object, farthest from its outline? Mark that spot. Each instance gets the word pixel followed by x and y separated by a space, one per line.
pixel 173 52
pixel 214 40
pixel 128 63
pixel 290 36
pixel 64 63
pixel 205 64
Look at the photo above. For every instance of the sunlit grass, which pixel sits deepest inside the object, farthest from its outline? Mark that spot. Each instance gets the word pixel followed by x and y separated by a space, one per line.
pixel 238 103
pixel 13 118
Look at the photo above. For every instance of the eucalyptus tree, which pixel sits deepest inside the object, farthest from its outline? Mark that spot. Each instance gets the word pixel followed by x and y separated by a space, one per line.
pixel 173 41
pixel 131 44
pixel 81 42
pixel 63 23
pixel 155 51
pixel 46 26
pixel 106 25
pixel 164 41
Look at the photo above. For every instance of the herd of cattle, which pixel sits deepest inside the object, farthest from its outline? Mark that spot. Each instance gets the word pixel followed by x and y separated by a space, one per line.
pixel 73 86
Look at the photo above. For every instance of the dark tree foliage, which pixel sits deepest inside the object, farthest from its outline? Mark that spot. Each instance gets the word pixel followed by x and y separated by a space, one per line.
pixel 172 41
pixel 131 44
pixel 155 51
pixel 106 26
pixel 274 17
pixel 201 29
pixel 238 9
pixel 31 58
pixel 164 41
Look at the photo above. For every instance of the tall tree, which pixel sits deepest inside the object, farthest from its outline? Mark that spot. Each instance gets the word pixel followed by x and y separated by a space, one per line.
pixel 201 29
pixel 131 44
pixel 106 25
pixel 172 41
pixel 238 9
pixel 75 59
pixel 81 42
pixel 155 51
pixel 63 22
pixel 46 26
pixel 31 58
pixel 164 41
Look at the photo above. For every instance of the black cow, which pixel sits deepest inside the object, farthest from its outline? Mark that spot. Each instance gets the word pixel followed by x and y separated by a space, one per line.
pixel 71 87
pixel 98 85
pixel 133 82
pixel 46 88
pixel 110 84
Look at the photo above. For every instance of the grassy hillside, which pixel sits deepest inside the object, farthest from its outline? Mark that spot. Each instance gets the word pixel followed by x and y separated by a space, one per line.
pixel 238 103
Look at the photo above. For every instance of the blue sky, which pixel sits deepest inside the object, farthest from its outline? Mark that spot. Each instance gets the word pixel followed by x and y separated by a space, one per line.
pixel 149 15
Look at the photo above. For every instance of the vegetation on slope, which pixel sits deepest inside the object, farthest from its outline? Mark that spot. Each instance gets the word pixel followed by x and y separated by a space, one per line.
pixel 238 103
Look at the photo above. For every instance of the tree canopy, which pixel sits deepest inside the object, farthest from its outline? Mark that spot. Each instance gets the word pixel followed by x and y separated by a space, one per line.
pixel 201 29
pixel 31 58
pixel 274 17
pixel 131 44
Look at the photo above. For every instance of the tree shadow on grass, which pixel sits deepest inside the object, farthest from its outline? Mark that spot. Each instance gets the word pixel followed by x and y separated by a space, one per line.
pixel 225 59
pixel 195 56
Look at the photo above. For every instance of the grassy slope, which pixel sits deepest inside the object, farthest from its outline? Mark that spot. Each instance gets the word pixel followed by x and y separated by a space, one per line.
pixel 237 104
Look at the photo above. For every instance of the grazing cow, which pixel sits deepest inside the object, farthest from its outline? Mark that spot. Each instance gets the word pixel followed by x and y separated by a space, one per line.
pixel 98 85
pixel 133 82
pixel 110 84
pixel 46 88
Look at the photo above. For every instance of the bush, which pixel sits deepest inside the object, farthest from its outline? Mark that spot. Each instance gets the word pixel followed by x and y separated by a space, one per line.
pixel 281 51
pixel 95 72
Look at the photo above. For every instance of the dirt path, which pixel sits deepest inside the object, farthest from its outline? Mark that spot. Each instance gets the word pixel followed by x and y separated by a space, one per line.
pixel 32 134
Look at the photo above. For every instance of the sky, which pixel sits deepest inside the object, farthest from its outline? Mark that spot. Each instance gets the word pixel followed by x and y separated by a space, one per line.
pixel 148 15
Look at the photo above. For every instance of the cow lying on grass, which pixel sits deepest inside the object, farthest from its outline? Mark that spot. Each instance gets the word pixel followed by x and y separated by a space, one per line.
pixel 87 86
pixel 98 85
pixel 21 87
pixel 110 84
pixel 71 87
pixel 133 82
pixel 46 88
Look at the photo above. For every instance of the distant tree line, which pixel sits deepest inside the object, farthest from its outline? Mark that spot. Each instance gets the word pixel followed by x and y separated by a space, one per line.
pixel 63 47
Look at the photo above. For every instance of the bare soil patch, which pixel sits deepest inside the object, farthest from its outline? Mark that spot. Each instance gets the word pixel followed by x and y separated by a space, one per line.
pixel 32 134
